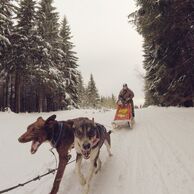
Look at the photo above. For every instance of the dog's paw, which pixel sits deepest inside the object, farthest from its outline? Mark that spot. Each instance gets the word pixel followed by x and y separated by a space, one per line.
pixel 82 180
pixel 86 189
pixel 110 154
pixel 98 167
pixel 97 170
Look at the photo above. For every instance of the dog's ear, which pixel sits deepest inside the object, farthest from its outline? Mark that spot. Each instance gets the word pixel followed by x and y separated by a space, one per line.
pixel 39 118
pixel 75 125
pixel 93 122
pixel 51 123
pixel 51 118
pixel 40 121
pixel 70 123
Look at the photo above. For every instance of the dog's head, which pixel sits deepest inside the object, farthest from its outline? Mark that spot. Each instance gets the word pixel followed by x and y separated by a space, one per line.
pixel 85 133
pixel 36 132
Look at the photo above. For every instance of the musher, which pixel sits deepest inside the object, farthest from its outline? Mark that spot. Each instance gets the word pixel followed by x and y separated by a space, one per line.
pixel 126 97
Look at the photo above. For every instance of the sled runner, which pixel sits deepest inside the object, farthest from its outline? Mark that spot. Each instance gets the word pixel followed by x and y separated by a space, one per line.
pixel 123 117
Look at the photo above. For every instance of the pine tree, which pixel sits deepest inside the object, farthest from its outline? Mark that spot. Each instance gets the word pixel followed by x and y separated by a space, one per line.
pixel 23 42
pixel 81 92
pixel 6 28
pixel 167 28
pixel 108 102
pixel 69 63
pixel 37 64
pixel 48 25
pixel 48 30
pixel 6 9
pixel 113 100
pixel 92 93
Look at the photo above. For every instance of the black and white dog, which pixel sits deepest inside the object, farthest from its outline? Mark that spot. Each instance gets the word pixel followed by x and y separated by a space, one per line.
pixel 89 138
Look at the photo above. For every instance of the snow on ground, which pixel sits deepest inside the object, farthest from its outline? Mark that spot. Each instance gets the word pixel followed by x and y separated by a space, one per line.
pixel 156 157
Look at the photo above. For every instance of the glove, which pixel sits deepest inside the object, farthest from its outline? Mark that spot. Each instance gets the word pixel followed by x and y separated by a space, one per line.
pixel 128 99
pixel 119 102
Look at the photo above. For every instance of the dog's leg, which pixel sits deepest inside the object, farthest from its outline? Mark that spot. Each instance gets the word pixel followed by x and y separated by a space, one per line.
pixel 89 177
pixel 78 169
pixel 97 162
pixel 98 168
pixel 106 142
pixel 63 159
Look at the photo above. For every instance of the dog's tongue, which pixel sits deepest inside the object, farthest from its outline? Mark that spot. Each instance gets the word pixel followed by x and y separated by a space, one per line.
pixel 86 154
pixel 34 147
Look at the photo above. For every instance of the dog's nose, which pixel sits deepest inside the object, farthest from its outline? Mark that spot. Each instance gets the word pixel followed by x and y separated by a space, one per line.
pixel 20 139
pixel 86 146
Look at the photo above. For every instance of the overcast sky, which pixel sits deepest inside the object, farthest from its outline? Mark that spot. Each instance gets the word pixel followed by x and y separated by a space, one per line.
pixel 106 44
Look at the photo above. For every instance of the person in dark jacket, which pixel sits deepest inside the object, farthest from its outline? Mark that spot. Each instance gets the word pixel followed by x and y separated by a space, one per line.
pixel 126 97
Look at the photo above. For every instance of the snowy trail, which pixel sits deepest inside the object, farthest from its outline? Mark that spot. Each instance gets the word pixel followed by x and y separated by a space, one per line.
pixel 156 157
pixel 151 158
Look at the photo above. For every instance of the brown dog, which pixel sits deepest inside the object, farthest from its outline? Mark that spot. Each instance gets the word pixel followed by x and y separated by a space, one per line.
pixel 61 136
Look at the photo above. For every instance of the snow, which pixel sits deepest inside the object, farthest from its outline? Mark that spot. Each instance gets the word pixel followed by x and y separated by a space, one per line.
pixel 54 71
pixel 156 157
pixel 3 38
pixel 3 17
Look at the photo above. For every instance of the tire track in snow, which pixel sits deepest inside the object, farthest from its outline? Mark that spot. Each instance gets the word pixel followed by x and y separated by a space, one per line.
pixel 145 161
pixel 153 179
pixel 181 154
pixel 176 177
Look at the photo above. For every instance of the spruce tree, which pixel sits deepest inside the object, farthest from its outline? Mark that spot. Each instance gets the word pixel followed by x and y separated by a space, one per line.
pixel 37 65
pixel 48 26
pixel 22 44
pixel 6 10
pixel 48 30
pixel 92 93
pixel 69 63
pixel 6 28
pixel 81 92
pixel 167 28
pixel 108 102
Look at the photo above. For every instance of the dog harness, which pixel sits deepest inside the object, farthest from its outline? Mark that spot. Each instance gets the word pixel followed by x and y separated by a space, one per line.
pixel 60 124
pixel 95 142
pixel 100 137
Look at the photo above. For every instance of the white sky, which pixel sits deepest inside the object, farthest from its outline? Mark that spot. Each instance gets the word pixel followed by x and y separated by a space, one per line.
pixel 106 44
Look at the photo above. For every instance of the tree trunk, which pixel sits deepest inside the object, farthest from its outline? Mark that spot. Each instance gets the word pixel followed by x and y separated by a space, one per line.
pixel 40 101
pixel 7 98
pixel 4 96
pixel 17 92
pixel 12 94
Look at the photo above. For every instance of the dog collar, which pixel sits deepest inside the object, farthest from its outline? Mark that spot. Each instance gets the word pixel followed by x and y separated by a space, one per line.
pixel 95 142
pixel 60 124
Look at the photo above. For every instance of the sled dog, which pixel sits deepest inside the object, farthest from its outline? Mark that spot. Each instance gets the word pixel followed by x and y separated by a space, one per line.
pixel 61 136
pixel 89 138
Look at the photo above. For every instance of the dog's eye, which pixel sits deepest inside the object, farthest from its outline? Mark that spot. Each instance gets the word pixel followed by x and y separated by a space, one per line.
pixel 78 133
pixel 91 133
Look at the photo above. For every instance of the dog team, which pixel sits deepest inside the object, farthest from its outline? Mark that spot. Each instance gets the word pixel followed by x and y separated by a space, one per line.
pixel 85 135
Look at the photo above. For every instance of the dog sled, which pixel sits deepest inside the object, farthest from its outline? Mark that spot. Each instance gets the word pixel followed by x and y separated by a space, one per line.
pixel 123 117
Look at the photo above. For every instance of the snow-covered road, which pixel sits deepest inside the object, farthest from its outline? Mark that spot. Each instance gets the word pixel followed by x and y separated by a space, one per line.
pixel 156 157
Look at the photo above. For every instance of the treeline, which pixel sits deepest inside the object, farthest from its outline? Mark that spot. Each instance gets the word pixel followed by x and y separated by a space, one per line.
pixel 90 98
pixel 168 30
pixel 108 102
pixel 38 67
